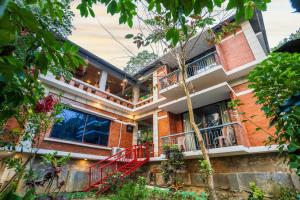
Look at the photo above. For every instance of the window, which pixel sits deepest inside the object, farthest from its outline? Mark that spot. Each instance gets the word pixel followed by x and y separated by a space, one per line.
pixel 81 127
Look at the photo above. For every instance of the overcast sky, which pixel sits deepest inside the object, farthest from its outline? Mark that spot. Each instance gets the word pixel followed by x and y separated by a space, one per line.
pixel 104 37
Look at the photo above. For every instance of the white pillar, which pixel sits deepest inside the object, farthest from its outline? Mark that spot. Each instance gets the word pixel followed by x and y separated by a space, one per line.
pixel 155 89
pixel 253 42
pixel 155 133
pixel 135 134
pixel 135 94
pixel 103 80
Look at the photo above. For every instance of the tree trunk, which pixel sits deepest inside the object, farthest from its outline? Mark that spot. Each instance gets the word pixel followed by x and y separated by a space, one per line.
pixel 210 180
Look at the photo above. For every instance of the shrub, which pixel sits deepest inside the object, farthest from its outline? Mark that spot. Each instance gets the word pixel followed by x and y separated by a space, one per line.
pixel 284 193
pixel 256 193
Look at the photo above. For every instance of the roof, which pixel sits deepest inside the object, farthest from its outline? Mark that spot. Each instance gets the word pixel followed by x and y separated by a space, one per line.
pixel 257 23
pixel 292 46
pixel 104 65
pixel 133 79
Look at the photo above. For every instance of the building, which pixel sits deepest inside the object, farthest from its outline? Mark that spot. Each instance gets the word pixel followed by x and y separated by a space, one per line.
pixel 111 110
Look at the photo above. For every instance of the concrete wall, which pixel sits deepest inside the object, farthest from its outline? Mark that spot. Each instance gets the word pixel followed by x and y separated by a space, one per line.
pixel 233 174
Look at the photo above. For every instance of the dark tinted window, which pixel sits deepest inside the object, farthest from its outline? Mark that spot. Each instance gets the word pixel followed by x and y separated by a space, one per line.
pixel 81 127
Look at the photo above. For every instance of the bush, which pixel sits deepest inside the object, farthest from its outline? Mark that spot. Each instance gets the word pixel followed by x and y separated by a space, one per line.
pixel 284 193
pixel 138 191
pixel 256 193
pixel 133 191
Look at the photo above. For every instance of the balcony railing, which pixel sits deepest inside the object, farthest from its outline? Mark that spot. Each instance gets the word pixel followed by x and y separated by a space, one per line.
pixel 144 102
pixel 229 134
pixel 96 91
pixel 196 67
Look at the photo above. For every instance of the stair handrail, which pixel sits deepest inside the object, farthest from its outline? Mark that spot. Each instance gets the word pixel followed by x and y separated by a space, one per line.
pixel 127 151
pixel 101 161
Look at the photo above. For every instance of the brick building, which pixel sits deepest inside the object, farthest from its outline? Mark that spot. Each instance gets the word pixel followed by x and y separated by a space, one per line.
pixel 110 110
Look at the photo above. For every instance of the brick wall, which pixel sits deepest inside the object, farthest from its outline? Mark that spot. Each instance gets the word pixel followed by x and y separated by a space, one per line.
pixel 168 123
pixel 234 51
pixel 250 108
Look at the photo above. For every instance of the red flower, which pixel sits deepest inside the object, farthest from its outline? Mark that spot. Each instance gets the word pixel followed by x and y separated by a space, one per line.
pixel 46 105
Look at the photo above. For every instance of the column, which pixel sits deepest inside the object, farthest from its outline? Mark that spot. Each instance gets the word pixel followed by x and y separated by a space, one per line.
pixel 135 94
pixel 135 134
pixel 155 133
pixel 155 86
pixel 103 80
pixel 253 42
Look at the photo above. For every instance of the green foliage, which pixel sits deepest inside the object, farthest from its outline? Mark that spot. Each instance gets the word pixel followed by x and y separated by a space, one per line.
pixel 146 135
pixel 138 62
pixel 175 12
pixel 284 193
pixel 138 191
pixel 134 191
pixel 163 194
pixel 276 82
pixel 52 159
pixel 173 163
pixel 205 167
pixel 29 48
pixel 256 193
pixel 114 182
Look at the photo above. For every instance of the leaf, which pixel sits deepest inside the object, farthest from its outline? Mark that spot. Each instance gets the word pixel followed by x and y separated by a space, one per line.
pixel 129 36
pixel 170 34
pixel 3 5
pixel 151 5
pixel 249 10
pixel 91 12
pixel 218 2
pixel 257 128
pixel 112 7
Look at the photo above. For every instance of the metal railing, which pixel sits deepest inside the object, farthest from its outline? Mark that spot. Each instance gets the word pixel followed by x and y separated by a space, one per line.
pixel 229 134
pixel 196 67
pixel 120 162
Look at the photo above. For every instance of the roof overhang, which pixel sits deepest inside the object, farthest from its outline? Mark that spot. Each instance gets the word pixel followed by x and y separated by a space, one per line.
pixel 202 98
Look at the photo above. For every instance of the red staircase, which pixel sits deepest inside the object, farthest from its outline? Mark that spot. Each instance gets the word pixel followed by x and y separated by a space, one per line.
pixel 123 163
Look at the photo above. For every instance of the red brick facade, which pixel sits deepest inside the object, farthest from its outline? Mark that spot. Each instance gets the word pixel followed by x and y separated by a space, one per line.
pixel 254 118
pixel 234 51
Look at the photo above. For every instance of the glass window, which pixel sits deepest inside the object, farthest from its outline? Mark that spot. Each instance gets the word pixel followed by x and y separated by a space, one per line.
pixel 81 127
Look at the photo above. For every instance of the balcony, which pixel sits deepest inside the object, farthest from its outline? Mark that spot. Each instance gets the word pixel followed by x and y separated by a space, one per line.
pixel 202 73
pixel 86 90
pixel 215 137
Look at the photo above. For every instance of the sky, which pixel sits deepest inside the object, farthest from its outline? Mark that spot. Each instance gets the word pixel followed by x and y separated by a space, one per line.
pixel 104 37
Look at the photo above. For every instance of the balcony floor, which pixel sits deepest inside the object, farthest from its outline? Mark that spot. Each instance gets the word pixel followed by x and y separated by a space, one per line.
pixel 204 97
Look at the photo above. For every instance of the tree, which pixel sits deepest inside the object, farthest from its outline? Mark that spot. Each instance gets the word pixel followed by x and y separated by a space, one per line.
pixel 138 62
pixel 276 82
pixel 30 46
pixel 176 39
pixel 295 5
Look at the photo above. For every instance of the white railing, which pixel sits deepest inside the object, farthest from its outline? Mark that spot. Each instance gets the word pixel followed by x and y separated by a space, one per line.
pixel 228 134
pixel 196 67
pixel 144 102
pixel 96 91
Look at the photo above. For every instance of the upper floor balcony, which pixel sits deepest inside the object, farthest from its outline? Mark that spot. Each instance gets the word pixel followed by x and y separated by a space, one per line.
pixel 203 72
pixel 105 88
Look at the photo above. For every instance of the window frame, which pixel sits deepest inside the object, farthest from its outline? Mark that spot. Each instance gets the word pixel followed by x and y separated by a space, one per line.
pixel 86 112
